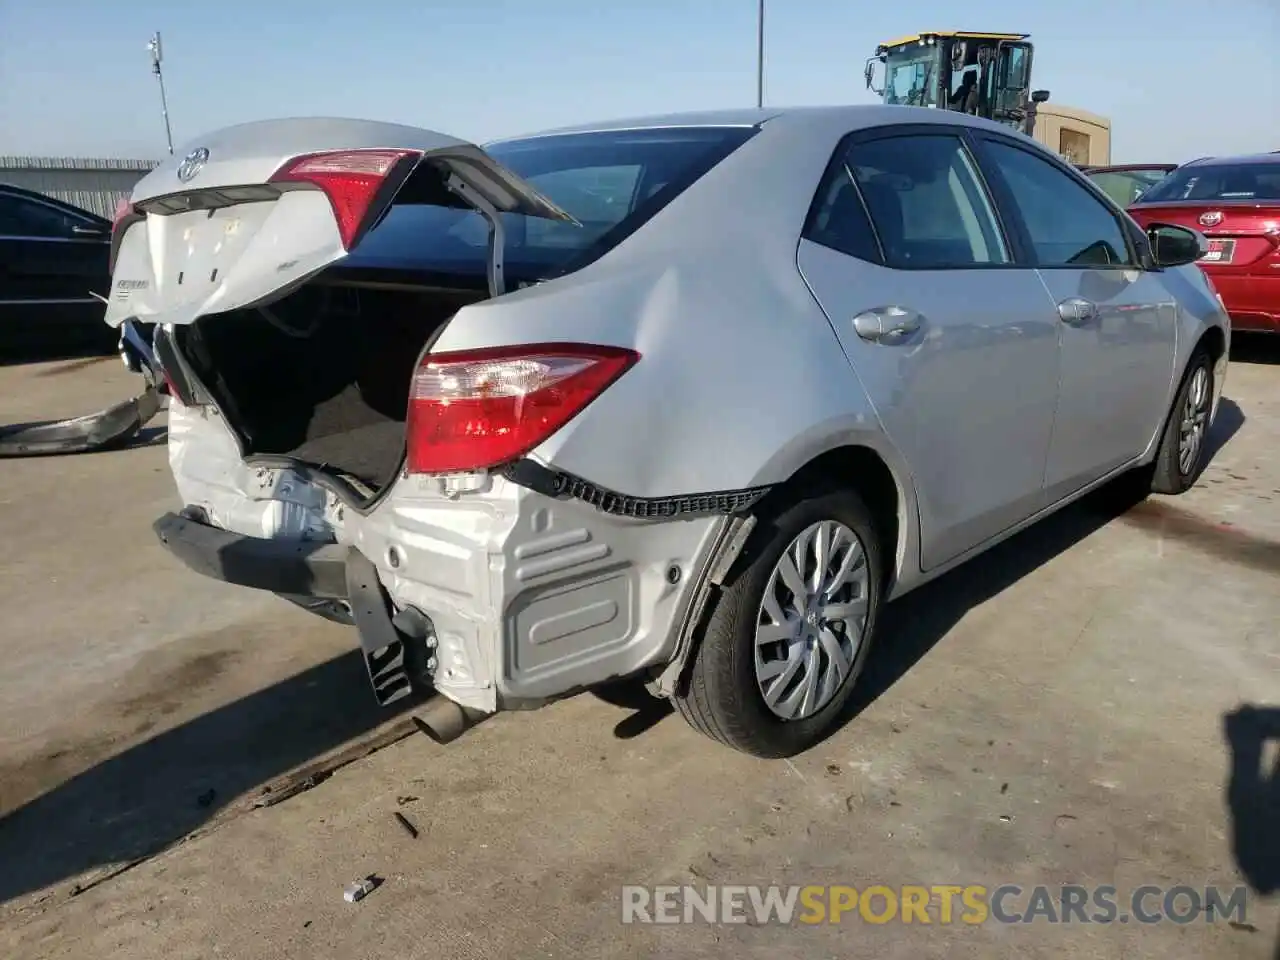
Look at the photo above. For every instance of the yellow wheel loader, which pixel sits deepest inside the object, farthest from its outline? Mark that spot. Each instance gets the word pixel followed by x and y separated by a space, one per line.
pixel 985 74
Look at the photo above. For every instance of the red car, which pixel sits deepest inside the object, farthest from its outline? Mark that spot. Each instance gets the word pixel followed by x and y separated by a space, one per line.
pixel 1235 203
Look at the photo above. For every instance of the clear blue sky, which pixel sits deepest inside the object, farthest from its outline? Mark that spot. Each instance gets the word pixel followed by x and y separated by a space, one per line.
pixel 1178 78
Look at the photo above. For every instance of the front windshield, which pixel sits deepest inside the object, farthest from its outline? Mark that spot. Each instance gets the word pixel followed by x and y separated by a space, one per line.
pixel 911 76
pixel 608 181
pixel 1219 183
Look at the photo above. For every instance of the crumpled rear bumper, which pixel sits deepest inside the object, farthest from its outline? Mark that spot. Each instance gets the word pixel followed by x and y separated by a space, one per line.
pixel 394 647
pixel 296 567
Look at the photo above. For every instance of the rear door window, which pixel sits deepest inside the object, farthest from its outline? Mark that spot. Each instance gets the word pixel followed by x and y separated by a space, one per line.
pixel 924 199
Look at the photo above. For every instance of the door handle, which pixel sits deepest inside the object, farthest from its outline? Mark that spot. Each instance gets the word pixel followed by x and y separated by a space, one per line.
pixel 887 324
pixel 1077 311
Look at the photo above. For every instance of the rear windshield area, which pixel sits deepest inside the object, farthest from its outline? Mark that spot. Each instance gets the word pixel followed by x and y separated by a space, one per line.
pixel 610 181
pixel 1219 182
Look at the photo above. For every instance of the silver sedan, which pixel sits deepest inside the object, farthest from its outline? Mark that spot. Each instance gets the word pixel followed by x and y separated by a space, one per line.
pixel 681 400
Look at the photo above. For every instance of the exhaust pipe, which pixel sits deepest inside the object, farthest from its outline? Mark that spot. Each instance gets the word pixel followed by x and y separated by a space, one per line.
pixel 445 721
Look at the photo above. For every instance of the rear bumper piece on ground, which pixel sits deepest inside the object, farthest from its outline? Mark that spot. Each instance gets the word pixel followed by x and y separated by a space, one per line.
pixel 301 568
pixel 97 431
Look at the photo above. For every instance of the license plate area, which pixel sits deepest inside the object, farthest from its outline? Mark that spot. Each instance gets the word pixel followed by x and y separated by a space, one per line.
pixel 201 246
pixel 1220 251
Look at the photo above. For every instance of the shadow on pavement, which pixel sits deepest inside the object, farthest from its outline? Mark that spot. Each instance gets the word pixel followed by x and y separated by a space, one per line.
pixel 1255 348
pixel 151 795
pixel 1226 424
pixel 913 627
pixel 1253 797
pixel 85 348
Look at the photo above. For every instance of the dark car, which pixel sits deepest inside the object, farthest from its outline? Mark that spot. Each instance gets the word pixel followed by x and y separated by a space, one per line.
pixel 53 259
pixel 1126 182
pixel 1235 203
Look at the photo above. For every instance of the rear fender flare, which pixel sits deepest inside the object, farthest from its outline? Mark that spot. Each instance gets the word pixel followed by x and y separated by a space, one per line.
pixel 735 533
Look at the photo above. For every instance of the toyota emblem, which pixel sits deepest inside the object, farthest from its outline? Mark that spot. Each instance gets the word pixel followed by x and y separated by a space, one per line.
pixel 192 164
pixel 1211 219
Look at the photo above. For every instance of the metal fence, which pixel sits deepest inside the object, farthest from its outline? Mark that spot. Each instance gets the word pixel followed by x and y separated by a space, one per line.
pixel 92 184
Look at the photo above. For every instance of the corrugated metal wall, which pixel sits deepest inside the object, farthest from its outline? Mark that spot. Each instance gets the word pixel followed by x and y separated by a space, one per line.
pixel 92 184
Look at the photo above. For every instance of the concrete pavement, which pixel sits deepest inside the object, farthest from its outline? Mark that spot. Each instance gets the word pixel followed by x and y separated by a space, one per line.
pixel 1051 714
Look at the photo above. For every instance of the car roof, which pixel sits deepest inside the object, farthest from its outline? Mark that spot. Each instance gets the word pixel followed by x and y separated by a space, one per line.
pixel 1123 167
pixel 852 116
pixel 1244 159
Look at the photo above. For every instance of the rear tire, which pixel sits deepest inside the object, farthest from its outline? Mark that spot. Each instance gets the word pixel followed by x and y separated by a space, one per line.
pixel 1184 446
pixel 806 651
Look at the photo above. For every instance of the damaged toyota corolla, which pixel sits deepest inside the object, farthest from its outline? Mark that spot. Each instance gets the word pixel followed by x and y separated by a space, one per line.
pixel 679 401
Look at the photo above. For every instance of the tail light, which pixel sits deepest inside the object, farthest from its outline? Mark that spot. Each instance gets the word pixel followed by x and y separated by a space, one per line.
pixel 475 410
pixel 124 214
pixel 350 179
pixel 123 209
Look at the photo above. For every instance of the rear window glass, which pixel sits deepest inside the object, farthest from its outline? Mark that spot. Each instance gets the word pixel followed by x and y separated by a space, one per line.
pixel 610 181
pixel 1218 182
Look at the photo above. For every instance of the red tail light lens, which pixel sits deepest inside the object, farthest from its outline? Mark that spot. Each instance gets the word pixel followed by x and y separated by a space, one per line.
pixel 349 178
pixel 123 209
pixel 475 410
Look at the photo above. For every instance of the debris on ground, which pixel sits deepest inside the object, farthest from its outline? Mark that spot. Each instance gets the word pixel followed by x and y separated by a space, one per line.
pixel 360 889
pixel 409 828
pixel 299 781
pixel 108 428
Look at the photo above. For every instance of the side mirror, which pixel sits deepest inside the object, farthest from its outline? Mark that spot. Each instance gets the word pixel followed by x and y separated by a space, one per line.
pixel 869 75
pixel 1039 96
pixel 1175 246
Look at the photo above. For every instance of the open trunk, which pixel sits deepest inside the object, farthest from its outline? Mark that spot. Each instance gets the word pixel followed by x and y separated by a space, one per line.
pixel 232 252
pixel 322 376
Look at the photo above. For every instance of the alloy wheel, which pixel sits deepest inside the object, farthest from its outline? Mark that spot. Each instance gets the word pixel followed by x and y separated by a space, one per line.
pixel 1195 418
pixel 812 620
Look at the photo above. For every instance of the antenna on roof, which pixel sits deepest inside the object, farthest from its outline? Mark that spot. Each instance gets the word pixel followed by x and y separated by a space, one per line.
pixel 760 55
pixel 157 54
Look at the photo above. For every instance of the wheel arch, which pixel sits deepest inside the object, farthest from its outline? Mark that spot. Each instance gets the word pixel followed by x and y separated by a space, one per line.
pixel 863 469
pixel 863 464
pixel 854 451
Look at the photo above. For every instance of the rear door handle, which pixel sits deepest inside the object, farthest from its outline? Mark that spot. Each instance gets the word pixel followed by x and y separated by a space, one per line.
pixel 1077 311
pixel 887 324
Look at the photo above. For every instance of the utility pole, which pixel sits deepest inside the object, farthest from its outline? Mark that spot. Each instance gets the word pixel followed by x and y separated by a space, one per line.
pixel 156 56
pixel 760 56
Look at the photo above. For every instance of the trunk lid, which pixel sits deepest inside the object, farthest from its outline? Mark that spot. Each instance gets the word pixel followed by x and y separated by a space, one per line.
pixel 1243 237
pixel 252 211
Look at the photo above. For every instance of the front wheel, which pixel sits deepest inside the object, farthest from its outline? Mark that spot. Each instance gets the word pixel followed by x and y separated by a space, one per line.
pixel 789 634
pixel 1184 446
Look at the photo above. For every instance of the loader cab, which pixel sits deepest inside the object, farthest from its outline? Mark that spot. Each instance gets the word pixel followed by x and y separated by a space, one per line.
pixel 984 74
